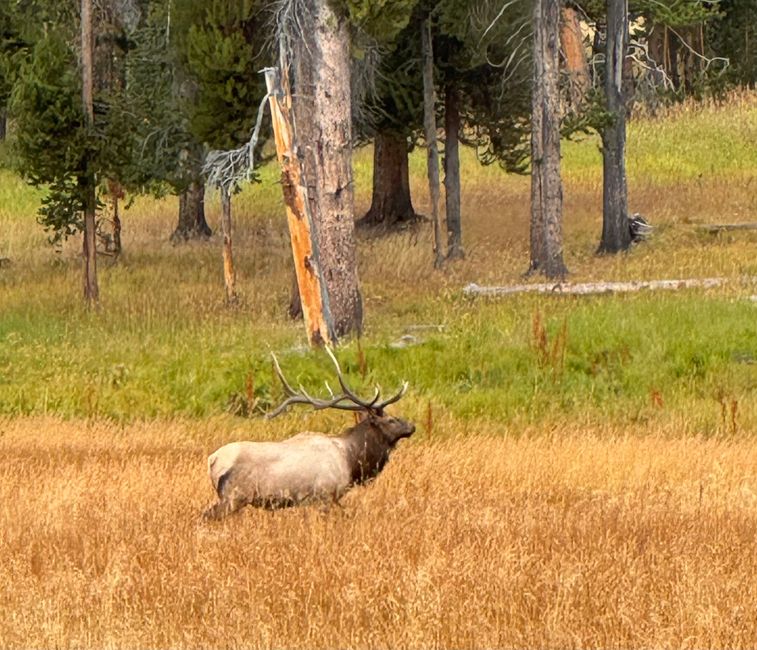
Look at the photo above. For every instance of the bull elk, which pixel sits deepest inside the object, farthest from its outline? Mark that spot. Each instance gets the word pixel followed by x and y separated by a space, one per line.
pixel 308 467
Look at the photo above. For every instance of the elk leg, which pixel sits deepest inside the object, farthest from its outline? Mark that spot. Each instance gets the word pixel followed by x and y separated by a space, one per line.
pixel 216 511
pixel 222 509
pixel 325 506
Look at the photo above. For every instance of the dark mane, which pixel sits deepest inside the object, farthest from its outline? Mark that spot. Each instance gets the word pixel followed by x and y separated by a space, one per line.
pixel 367 450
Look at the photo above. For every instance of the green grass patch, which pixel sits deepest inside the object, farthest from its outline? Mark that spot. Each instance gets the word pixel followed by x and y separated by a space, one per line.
pixel 162 343
pixel 521 361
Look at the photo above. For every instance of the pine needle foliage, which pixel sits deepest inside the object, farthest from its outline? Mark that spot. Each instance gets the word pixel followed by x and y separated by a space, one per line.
pixel 52 142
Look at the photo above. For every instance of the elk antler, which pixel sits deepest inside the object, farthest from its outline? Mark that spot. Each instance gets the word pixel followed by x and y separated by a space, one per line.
pixel 374 404
pixel 354 403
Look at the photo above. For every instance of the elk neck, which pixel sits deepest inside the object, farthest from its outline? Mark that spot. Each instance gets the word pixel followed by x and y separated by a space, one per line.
pixel 367 450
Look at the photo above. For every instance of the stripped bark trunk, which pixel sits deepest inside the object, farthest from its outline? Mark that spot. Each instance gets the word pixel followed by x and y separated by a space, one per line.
pixel 574 52
pixel 536 233
pixel 113 241
pixel 323 116
pixel 89 248
pixel 229 274
pixel 429 128
pixel 312 286
pixel 616 236
pixel 546 182
pixel 391 203
pixel 192 223
pixel 295 303
pixel 452 173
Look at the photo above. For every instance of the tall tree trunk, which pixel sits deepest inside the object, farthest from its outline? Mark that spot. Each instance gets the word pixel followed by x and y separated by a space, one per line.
pixel 391 203
pixel 673 47
pixel 3 123
pixel 323 119
pixel 192 223
pixel 295 302
pixel 429 129
pixel 310 284
pixel 546 183
pixel 89 248
pixel 536 233
pixel 452 173
pixel 616 235
pixel 229 274
pixel 115 193
pixel 576 64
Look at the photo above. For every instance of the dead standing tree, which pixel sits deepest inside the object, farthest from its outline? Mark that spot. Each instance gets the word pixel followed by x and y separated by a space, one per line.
pixel 314 297
pixel 452 173
pixel 429 128
pixel 574 54
pixel 546 183
pixel 317 41
pixel 226 169
pixel 91 290
pixel 616 235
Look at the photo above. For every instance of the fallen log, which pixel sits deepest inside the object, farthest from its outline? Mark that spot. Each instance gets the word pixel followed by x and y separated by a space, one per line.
pixel 715 228
pixel 586 288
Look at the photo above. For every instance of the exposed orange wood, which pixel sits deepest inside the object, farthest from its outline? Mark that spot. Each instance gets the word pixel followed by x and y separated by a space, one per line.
pixel 571 40
pixel 304 250
pixel 229 274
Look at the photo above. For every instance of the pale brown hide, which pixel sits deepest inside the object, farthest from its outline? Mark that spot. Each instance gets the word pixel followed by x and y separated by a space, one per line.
pixel 306 468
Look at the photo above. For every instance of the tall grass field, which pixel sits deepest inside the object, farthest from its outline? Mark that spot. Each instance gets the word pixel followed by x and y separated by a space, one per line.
pixel 584 470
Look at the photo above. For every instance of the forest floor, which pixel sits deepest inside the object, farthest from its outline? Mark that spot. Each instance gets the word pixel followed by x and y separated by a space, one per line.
pixel 583 472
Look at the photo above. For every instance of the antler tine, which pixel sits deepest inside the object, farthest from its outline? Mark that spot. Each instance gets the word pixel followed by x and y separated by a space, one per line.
pixel 394 398
pixel 303 397
pixel 319 404
pixel 293 396
pixel 341 397
pixel 348 393
pixel 282 407
pixel 287 388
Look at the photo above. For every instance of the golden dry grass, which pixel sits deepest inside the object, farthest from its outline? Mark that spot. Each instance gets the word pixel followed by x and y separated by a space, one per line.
pixel 567 538
pixel 560 536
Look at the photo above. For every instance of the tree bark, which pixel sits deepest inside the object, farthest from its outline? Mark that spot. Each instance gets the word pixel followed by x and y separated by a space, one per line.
pixel 192 223
pixel 323 123
pixel 112 214
pixel 3 123
pixel 546 182
pixel 89 247
pixel 536 233
pixel 391 203
pixel 574 52
pixel 616 235
pixel 295 302
pixel 229 274
pixel 452 173
pixel 429 128
pixel 312 290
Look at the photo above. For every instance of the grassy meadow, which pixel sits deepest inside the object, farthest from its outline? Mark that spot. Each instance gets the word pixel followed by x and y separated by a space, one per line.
pixel 584 472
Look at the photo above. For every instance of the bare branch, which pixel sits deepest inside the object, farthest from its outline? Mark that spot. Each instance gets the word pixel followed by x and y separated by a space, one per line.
pixel 226 169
